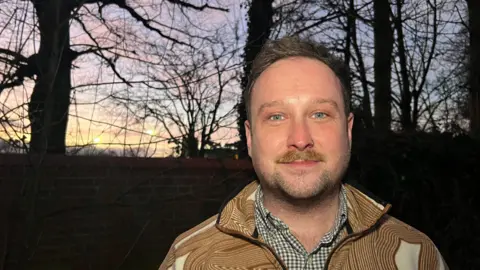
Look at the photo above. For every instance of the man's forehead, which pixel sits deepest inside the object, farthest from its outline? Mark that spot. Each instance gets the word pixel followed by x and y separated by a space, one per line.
pixel 295 77
pixel 302 65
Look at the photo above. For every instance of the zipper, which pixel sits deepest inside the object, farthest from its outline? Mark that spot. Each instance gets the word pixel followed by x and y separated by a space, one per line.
pixel 330 255
pixel 255 241
pixel 350 236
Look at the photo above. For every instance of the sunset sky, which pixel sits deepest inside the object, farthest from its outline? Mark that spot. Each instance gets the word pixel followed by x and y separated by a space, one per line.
pixel 95 119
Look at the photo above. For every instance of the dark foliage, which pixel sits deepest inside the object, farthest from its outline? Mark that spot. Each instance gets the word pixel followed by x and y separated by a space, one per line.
pixel 431 181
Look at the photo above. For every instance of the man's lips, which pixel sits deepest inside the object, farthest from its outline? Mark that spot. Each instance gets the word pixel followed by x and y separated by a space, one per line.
pixel 301 163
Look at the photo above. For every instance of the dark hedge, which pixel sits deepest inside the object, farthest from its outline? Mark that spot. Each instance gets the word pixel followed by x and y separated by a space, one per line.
pixel 432 182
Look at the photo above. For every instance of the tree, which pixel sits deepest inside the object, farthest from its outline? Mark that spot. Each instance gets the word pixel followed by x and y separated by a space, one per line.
pixel 193 96
pixel 365 110
pixel 417 35
pixel 447 107
pixel 260 20
pixel 383 36
pixel 474 67
pixel 51 64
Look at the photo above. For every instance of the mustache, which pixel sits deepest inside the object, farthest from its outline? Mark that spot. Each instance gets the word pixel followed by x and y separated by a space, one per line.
pixel 309 155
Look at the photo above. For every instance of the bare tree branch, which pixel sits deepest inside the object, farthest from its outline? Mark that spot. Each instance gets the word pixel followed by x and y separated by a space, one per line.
pixel 195 7
pixel 123 4
pixel 15 55
pixel 99 52
pixel 93 49
pixel 328 17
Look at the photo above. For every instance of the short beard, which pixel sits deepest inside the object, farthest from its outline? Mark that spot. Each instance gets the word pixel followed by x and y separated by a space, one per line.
pixel 325 187
pixel 281 190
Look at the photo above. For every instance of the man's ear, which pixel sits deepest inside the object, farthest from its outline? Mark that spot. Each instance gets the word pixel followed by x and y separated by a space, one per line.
pixel 248 135
pixel 350 119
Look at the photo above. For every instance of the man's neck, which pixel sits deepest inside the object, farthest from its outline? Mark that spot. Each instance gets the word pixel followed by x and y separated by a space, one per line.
pixel 309 222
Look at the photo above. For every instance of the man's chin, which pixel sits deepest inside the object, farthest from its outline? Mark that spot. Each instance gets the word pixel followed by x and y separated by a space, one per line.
pixel 295 173
pixel 302 199
pixel 301 194
pixel 305 189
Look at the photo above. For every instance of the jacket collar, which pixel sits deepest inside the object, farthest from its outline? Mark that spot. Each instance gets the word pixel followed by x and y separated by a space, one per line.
pixel 237 214
pixel 364 209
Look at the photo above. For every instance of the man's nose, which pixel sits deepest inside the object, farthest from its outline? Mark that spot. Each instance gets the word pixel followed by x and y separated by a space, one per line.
pixel 300 136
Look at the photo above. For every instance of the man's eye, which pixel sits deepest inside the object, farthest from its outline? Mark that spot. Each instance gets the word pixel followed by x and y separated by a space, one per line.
pixel 319 115
pixel 275 117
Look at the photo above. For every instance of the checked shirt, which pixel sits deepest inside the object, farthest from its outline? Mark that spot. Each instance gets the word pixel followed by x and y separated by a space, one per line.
pixel 277 235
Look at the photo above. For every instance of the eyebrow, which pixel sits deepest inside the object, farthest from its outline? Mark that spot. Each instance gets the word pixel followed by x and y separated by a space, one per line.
pixel 279 102
pixel 269 105
pixel 328 101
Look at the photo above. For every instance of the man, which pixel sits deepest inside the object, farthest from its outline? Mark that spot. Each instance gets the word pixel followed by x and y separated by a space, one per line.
pixel 299 214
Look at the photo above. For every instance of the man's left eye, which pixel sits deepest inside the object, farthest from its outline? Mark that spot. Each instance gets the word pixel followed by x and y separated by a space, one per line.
pixel 319 115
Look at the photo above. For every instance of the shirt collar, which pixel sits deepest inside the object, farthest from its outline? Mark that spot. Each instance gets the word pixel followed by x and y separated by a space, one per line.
pixel 272 222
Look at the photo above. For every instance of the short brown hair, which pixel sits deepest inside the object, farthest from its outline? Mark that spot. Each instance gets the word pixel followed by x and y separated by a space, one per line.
pixel 293 46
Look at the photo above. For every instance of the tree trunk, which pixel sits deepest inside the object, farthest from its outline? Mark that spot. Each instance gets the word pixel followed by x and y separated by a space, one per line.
pixel 50 100
pixel 474 67
pixel 189 145
pixel 260 16
pixel 366 111
pixel 406 94
pixel 383 36
pixel 348 35
pixel 192 144
pixel 48 112
pixel 348 44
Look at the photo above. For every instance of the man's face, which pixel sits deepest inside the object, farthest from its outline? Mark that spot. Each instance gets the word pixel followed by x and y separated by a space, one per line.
pixel 299 136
